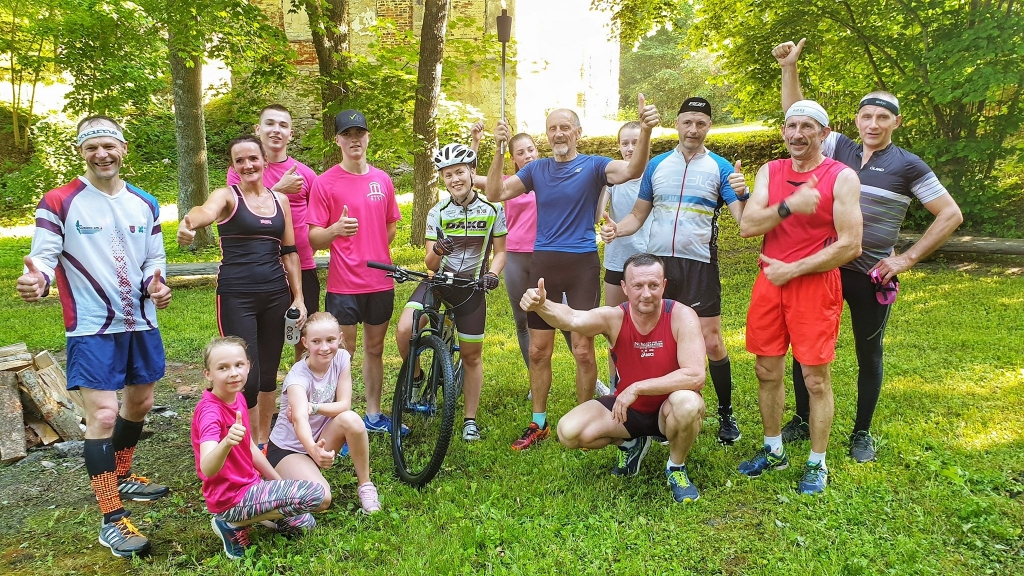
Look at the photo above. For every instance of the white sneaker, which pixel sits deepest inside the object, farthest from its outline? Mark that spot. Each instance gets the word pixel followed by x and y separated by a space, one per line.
pixel 470 431
pixel 600 389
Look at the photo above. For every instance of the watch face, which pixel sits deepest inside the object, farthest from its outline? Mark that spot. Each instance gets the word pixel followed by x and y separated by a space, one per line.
pixel 784 210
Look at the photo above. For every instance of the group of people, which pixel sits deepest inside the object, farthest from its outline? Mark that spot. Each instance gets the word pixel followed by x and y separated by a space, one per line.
pixel 829 215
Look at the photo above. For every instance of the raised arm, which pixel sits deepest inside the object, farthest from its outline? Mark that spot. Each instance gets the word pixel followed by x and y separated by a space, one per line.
pixel 619 171
pixel 216 208
pixel 604 320
pixel 787 54
pixel 499 189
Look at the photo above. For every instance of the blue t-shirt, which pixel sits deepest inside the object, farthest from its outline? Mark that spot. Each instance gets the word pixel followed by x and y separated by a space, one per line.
pixel 567 195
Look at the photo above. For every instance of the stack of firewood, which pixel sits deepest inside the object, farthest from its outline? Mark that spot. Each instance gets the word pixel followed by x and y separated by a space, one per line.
pixel 35 405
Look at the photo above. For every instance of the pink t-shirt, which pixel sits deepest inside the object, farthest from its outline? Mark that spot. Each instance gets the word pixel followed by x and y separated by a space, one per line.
pixel 370 199
pixel 211 421
pixel 318 389
pixel 521 219
pixel 272 175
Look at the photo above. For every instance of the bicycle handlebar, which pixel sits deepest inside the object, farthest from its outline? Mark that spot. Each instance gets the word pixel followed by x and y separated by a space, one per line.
pixel 401 274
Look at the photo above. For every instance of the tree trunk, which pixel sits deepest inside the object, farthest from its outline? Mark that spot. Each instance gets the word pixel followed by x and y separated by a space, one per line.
pixel 328 24
pixel 190 133
pixel 424 124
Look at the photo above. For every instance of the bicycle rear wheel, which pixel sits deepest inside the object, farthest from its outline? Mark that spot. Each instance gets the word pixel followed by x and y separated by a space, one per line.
pixel 429 413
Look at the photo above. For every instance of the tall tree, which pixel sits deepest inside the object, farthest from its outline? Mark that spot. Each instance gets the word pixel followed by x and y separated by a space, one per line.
pixel 424 124
pixel 328 25
pixel 28 38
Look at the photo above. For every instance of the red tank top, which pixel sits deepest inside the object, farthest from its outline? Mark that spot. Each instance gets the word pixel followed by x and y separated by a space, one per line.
pixel 801 235
pixel 642 356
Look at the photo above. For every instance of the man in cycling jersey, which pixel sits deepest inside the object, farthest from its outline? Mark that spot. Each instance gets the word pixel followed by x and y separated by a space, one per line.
pixel 462 233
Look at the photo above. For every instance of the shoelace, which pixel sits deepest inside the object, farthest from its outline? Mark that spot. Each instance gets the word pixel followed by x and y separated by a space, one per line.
pixel 136 478
pixel 530 431
pixel 126 528
pixel 623 454
pixel 680 477
pixel 241 537
pixel 368 494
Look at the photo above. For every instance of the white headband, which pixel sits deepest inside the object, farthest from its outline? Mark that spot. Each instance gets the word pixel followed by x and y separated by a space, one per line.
pixel 808 108
pixel 100 131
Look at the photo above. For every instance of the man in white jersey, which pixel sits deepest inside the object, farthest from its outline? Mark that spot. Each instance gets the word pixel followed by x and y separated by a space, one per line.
pixel 99 239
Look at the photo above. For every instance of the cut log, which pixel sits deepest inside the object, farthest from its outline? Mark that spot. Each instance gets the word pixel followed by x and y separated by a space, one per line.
pixel 15 362
pixel 12 426
pixel 52 375
pixel 53 405
pixel 43 430
pixel 969 245
pixel 18 348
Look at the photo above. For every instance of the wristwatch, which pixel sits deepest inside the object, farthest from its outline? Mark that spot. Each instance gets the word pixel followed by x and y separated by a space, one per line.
pixel 784 210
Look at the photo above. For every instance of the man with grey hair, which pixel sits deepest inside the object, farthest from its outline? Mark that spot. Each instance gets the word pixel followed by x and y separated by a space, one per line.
pixel 567 188
pixel 891 178
pixel 807 208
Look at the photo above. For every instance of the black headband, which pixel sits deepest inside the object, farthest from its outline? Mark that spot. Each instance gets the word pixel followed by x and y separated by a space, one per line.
pixel 695 105
pixel 880 102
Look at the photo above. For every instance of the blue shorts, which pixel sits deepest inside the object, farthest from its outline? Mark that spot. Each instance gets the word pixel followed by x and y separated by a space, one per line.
pixel 113 361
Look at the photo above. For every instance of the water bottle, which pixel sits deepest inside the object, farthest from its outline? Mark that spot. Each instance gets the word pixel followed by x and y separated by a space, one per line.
pixel 292 334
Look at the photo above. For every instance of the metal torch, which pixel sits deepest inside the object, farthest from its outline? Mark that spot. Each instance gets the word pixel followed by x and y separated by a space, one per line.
pixel 504 35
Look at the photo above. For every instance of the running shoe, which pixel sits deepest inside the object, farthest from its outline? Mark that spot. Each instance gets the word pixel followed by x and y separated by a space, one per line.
pixel 862 446
pixel 235 540
pixel 383 424
pixel 728 431
pixel 600 389
pixel 814 480
pixel 795 430
pixel 682 489
pixel 123 538
pixel 140 488
pixel 531 435
pixel 368 498
pixel 630 458
pixel 764 460
pixel 470 431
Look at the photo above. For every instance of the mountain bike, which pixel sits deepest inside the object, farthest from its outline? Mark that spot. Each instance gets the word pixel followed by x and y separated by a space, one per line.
pixel 426 403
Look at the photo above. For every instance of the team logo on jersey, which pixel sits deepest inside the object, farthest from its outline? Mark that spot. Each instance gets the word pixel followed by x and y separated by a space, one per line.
pixel 463 225
pixel 139 229
pixel 375 194
pixel 86 229
pixel 647 348
pixel 876 169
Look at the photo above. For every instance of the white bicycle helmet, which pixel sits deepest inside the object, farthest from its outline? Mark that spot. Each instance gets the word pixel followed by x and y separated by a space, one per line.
pixel 453 154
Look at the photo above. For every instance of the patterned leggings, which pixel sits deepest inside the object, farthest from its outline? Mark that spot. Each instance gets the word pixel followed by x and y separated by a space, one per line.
pixel 294 499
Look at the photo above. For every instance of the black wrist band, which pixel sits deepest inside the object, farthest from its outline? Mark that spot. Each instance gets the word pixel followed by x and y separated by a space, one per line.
pixel 784 210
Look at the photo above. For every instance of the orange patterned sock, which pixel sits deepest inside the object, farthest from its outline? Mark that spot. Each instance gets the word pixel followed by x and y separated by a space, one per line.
pixel 123 458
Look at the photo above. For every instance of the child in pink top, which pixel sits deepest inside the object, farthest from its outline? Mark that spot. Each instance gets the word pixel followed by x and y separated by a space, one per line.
pixel 229 463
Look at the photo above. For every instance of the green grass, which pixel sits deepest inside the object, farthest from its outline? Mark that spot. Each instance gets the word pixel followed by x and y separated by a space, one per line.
pixel 944 497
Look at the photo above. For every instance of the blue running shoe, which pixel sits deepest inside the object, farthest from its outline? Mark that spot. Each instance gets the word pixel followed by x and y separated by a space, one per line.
pixel 682 489
pixel 630 459
pixel 814 480
pixel 235 540
pixel 344 449
pixel 383 424
pixel 764 460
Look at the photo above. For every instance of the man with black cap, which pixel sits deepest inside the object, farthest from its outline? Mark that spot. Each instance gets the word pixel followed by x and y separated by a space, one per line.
pixel 683 191
pixel 891 178
pixel 352 209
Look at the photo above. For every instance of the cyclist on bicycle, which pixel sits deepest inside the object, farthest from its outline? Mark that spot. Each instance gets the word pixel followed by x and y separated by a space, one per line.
pixel 462 233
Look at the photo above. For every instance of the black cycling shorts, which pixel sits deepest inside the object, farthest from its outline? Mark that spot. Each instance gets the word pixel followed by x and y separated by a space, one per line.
pixel 469 305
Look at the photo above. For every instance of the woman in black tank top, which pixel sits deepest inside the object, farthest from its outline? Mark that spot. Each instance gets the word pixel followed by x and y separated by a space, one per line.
pixel 259 277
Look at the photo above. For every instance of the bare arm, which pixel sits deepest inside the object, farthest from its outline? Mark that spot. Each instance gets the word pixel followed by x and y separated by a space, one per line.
pixel 498 260
pixel 602 204
pixel 635 219
pixel 604 320
pixel 261 464
pixel 292 266
pixel 619 171
pixel 787 54
pixel 498 189
pixel 758 216
pixel 216 208
pixel 947 219
pixel 392 230
pixel 320 238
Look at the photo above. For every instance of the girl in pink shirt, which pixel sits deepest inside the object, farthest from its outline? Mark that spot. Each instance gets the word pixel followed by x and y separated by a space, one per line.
pixel 229 463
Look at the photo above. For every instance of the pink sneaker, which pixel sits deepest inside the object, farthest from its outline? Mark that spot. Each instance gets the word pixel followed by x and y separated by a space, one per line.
pixel 368 498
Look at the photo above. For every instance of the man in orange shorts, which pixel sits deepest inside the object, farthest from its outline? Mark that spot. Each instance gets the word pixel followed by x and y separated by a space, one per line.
pixel 807 207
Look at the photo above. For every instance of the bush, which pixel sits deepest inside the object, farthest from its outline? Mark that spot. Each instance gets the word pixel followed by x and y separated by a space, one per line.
pixel 54 162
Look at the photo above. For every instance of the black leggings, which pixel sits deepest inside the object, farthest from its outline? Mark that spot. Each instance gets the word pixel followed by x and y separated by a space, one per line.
pixel 869 319
pixel 257 318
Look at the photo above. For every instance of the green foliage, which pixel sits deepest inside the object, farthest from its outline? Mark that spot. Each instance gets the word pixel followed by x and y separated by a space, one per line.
pixel 633 19
pixel 28 32
pixel 53 162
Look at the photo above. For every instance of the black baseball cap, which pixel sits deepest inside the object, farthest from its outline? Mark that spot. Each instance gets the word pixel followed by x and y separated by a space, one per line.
pixel 349 119
pixel 695 105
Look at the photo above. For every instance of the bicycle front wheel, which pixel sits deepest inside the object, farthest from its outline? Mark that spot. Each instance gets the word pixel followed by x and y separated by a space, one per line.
pixel 429 412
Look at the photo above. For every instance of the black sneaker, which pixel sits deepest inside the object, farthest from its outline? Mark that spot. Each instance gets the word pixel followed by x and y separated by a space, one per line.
pixel 629 459
pixel 862 446
pixel 728 431
pixel 123 538
pixel 795 430
pixel 140 488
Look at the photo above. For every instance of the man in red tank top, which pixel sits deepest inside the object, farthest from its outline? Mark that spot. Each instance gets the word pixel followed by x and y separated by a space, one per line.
pixel 807 208
pixel 659 357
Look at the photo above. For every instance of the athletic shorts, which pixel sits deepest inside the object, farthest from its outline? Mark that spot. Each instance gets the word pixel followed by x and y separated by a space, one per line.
pixel 804 312
pixel 113 361
pixel 638 424
pixel 469 305
pixel 311 290
pixel 372 308
pixel 695 284
pixel 614 278
pixel 578 276
pixel 275 453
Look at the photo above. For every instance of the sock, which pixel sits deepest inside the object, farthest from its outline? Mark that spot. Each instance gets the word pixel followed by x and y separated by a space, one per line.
pixel 374 417
pixel 774 443
pixel 102 467
pixel 126 436
pixel 673 466
pixel 817 458
pixel 540 418
pixel 721 378
pixel 627 444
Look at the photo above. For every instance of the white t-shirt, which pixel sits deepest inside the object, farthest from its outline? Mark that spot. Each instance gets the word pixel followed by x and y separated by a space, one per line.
pixel 319 390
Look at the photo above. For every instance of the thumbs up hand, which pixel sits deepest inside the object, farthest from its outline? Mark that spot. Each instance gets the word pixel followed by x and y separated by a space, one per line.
pixel 159 292
pixel 445 245
pixel 31 284
pixel 346 226
pixel 805 199
pixel 236 432
pixel 186 233
pixel 534 298
pixel 647 114
pixel 324 458
pixel 787 53
pixel 737 181
pixel 609 230
pixel 290 183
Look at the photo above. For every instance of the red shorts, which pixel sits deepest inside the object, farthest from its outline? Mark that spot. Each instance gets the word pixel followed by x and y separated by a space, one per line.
pixel 804 312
